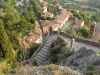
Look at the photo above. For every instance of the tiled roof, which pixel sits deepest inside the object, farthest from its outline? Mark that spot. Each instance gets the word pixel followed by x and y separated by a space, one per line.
pixel 34 35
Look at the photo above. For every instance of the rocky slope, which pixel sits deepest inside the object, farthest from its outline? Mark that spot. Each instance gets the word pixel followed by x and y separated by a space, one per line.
pixel 46 70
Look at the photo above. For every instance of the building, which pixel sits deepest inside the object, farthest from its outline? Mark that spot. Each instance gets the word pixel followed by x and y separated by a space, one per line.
pixel 47 14
pixel 77 24
pixel 35 35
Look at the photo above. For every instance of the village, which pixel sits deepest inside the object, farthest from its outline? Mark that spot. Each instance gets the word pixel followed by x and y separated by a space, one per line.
pixel 64 20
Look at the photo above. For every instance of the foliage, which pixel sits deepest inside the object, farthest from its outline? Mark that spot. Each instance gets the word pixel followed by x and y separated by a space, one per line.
pixel 90 68
pixel 4 67
pixel 73 32
pixel 66 53
pixel 29 16
pixel 53 10
pixel 35 63
pixel 6 50
pixel 54 59
pixel 36 7
pixel 85 31
pixel 58 72
pixel 64 43
pixel 55 50
pixel 32 49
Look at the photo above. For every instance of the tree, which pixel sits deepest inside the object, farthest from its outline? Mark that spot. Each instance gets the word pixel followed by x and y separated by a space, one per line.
pixel 9 25
pixel 73 32
pixel 29 16
pixel 6 50
pixel 36 7
pixel 85 31
pixel 22 26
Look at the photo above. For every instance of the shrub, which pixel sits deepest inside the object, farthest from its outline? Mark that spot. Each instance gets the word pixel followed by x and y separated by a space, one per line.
pixel 90 68
pixel 64 43
pixel 66 53
pixel 52 66
pixel 54 59
pixel 55 50
pixel 34 62
pixel 85 31
pixel 59 72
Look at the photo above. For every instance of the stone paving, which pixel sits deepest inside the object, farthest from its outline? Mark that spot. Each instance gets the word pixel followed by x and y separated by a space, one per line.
pixel 78 45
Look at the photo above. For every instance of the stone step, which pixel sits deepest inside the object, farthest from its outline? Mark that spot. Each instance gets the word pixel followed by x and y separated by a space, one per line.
pixel 42 55
pixel 45 47
pixel 39 57
pixel 47 51
pixel 42 52
pixel 51 39
pixel 39 62
pixel 49 42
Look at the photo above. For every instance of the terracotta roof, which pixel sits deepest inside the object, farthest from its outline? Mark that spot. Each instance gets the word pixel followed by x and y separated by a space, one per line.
pixel 59 19
pixel 46 24
pixel 34 35
pixel 78 22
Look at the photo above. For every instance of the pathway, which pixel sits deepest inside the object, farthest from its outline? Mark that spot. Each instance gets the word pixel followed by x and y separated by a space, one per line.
pixel 42 56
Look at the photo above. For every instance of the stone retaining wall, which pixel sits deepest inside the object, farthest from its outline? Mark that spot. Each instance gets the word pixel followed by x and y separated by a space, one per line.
pixel 86 41
pixel 58 41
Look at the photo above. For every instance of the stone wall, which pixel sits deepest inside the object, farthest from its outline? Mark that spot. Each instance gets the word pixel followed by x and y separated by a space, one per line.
pixel 86 41
pixel 58 41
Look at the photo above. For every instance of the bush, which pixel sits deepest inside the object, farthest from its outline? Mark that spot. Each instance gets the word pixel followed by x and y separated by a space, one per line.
pixel 54 59
pixel 66 53
pixel 34 62
pixel 85 31
pixel 55 50
pixel 64 43
pixel 90 68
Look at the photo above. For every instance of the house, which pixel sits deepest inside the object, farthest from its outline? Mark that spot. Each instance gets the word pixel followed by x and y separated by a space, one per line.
pixel 77 24
pixel 47 14
pixel 46 24
pixel 34 36
pixel 44 6
pixel 62 18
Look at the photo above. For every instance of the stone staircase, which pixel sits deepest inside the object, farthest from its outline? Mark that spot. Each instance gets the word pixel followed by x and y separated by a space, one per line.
pixel 42 56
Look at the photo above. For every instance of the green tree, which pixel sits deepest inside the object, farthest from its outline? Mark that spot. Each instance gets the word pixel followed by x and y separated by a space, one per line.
pixel 85 31
pixel 73 32
pixel 29 16
pixel 36 7
pixel 6 50
pixel 22 26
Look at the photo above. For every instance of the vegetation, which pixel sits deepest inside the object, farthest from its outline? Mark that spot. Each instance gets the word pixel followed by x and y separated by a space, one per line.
pixel 64 43
pixel 53 10
pixel 90 68
pixel 66 53
pixel 54 59
pixel 13 27
pixel 55 50
pixel 31 50
pixel 85 31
